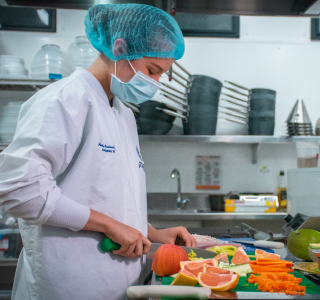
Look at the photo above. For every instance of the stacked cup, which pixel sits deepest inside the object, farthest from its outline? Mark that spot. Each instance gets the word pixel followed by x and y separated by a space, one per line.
pixel 203 100
pixel 262 111
pixel 12 67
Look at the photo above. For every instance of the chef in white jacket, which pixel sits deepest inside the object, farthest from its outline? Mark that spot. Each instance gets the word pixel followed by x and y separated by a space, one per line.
pixel 74 173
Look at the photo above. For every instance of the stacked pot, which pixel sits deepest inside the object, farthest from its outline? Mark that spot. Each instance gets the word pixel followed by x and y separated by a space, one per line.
pixel 203 100
pixel 262 111
pixel 152 120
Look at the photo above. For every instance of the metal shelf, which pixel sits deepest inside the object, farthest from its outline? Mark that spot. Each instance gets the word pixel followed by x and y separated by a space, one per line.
pixel 25 85
pixel 254 140
pixel 176 216
pixel 235 139
pixel 9 262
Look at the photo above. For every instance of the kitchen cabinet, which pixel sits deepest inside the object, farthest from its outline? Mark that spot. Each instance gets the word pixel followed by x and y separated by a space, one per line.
pixel 30 85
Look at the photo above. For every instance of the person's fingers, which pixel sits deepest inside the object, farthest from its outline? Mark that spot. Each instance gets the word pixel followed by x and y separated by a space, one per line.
pixel 186 237
pixel 138 250
pixel 146 245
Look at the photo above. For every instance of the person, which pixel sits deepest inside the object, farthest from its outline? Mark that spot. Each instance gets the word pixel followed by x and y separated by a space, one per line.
pixel 74 174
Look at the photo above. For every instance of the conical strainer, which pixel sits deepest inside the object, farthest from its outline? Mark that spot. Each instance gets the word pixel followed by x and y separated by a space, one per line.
pixel 298 122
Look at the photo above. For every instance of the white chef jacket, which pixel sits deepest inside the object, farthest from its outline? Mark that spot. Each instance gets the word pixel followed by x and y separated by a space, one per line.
pixel 71 152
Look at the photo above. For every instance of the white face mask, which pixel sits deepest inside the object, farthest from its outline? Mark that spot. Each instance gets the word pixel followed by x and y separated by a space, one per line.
pixel 139 89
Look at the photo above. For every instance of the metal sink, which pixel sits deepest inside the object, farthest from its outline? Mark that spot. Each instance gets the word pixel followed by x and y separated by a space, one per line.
pixel 166 203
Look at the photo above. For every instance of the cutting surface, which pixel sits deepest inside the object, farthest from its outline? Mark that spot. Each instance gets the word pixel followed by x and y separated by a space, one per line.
pixel 244 286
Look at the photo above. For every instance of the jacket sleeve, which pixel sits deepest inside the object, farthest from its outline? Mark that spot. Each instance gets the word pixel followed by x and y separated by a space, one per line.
pixel 49 131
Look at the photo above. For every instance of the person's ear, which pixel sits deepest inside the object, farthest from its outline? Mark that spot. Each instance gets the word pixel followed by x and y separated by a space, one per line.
pixel 119 47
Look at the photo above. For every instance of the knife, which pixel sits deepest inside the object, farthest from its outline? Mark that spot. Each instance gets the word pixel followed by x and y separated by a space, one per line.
pixel 159 291
pixel 262 244
pixel 107 245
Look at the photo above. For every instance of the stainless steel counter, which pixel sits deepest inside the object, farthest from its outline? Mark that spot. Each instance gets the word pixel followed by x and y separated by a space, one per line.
pixel 174 215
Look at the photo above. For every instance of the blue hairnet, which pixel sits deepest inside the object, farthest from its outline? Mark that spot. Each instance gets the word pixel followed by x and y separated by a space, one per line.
pixel 146 30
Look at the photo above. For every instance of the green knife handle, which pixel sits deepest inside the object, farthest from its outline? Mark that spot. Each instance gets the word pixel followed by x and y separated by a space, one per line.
pixel 107 245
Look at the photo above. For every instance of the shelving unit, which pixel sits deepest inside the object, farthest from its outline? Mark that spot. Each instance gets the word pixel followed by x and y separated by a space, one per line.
pixel 255 141
pixel 26 85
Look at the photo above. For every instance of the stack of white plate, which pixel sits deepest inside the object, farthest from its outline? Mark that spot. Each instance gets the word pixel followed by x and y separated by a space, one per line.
pixel 49 63
pixel 12 67
pixel 81 53
pixel 8 120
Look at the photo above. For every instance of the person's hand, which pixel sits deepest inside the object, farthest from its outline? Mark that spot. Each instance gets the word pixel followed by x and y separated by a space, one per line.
pixel 133 242
pixel 175 235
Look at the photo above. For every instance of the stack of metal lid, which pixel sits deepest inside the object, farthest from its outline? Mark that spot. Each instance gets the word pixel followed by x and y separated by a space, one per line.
pixel 299 122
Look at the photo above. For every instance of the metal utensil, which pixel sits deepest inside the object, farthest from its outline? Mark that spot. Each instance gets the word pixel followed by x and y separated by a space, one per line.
pixel 232 120
pixel 107 245
pixel 172 113
pixel 233 115
pixel 183 69
pixel 183 110
pixel 172 88
pixel 184 99
pixel 199 252
pixel 257 235
pixel 235 91
pixel 233 97
pixel 235 110
pixel 183 78
pixel 262 244
pixel 230 101
pixel 237 85
pixel 179 82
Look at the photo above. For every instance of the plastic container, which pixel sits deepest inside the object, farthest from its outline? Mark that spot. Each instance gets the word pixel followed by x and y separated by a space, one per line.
pixel 282 191
pixel 307 155
pixel 49 63
pixel 12 67
pixel 81 53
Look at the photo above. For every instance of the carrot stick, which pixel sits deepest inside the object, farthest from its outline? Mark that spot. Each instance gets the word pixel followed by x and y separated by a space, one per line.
pixel 269 268
pixel 271 260
pixel 258 263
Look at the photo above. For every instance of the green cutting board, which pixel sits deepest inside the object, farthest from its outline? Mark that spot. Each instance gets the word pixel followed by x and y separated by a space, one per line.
pixel 245 286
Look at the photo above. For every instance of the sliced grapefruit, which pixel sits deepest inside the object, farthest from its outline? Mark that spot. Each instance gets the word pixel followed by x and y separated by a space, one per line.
pixel 218 282
pixel 240 257
pixel 196 266
pixel 185 278
pixel 215 270
pixel 260 254
pixel 222 257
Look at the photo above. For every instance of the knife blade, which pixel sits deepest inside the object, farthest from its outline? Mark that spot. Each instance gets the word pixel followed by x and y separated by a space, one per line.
pixel 107 245
pixel 199 252
pixel 262 244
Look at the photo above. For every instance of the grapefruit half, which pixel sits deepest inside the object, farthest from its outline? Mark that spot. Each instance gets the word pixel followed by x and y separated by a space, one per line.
pixel 240 257
pixel 196 266
pixel 218 282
